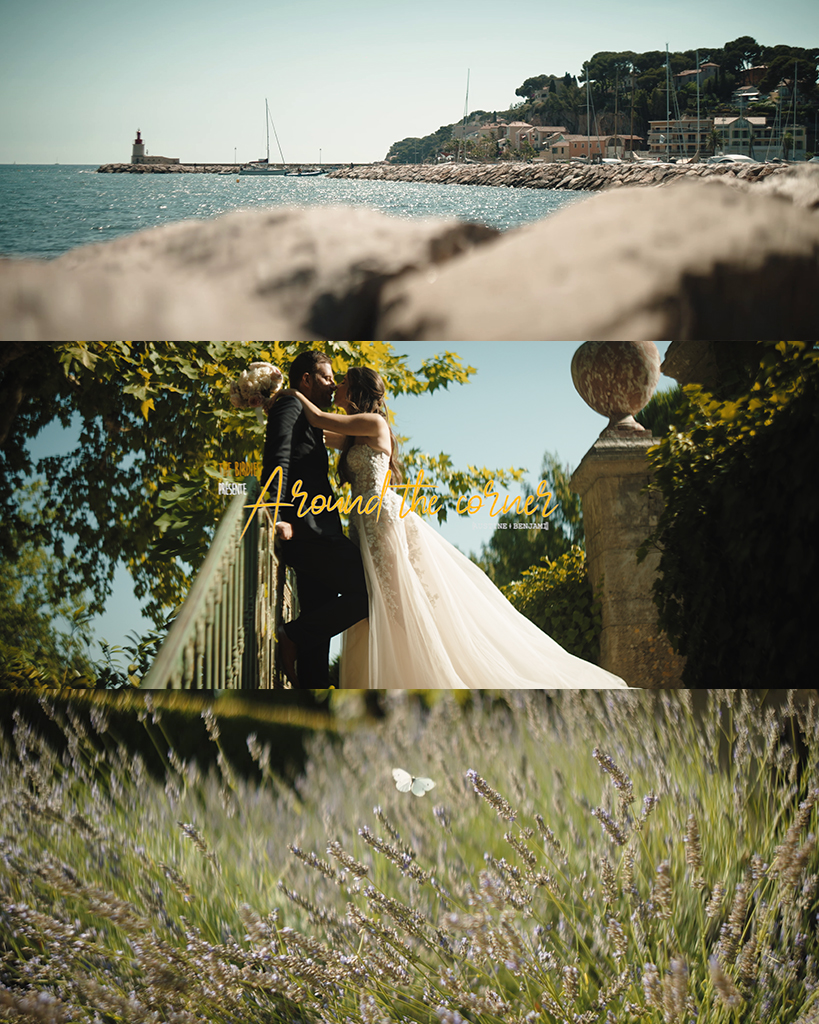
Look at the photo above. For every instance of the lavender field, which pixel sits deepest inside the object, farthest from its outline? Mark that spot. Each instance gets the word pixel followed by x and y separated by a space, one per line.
pixel 592 858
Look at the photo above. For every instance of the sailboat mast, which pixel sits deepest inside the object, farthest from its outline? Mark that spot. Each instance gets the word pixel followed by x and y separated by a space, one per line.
pixel 267 131
pixel 616 97
pixel 698 104
pixel 667 106
pixel 588 117
pixel 462 146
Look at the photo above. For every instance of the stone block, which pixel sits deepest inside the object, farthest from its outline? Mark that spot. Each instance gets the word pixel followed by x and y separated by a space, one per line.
pixel 630 610
pixel 602 551
pixel 623 578
pixel 617 457
pixel 620 500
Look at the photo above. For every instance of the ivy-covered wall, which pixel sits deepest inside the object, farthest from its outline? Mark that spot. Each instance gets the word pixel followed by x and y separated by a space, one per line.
pixel 736 590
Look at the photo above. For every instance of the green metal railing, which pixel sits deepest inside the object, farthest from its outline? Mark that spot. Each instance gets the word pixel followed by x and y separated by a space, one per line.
pixel 224 636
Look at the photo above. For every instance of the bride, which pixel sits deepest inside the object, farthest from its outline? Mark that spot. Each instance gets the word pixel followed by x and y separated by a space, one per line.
pixel 436 621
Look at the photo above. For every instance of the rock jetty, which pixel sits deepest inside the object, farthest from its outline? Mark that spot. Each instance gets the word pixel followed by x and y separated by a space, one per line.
pixel 169 169
pixel 580 177
pixel 185 168
pixel 700 261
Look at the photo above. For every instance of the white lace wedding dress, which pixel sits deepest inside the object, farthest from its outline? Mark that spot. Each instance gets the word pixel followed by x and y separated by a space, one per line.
pixel 436 621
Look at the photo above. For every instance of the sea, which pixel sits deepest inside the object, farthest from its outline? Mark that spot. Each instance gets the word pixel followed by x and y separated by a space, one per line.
pixel 49 209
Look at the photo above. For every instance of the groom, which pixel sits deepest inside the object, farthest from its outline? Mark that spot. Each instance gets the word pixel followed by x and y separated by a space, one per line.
pixel 330 578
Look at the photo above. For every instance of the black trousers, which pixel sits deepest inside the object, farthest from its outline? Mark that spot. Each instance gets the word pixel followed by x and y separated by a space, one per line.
pixel 332 597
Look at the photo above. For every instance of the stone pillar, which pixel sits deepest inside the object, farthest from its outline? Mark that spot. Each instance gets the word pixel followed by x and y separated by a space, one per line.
pixel 618 515
pixel 617 379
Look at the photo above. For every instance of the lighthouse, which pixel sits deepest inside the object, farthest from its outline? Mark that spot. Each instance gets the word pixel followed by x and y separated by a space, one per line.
pixel 138 152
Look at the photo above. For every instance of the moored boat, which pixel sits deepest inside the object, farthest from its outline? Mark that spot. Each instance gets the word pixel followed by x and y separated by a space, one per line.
pixel 263 165
pixel 299 173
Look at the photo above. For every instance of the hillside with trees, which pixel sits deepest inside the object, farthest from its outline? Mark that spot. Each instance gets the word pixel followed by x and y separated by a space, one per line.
pixel 628 89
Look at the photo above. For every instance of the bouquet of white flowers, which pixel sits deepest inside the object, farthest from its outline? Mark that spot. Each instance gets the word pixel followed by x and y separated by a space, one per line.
pixel 256 386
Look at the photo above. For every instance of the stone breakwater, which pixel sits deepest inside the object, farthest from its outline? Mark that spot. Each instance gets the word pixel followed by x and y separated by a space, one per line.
pixel 169 169
pixel 700 261
pixel 183 168
pixel 592 178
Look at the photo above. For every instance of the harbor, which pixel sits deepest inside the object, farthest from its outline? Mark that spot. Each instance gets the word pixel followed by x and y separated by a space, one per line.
pixel 578 177
pixel 572 175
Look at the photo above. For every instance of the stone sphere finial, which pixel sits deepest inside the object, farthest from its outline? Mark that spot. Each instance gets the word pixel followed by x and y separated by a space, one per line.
pixel 617 379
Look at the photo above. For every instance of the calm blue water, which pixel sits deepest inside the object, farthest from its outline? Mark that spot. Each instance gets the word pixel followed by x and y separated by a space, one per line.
pixel 47 210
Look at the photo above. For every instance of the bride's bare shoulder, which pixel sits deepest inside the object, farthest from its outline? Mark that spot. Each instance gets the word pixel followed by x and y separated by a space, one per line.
pixel 371 443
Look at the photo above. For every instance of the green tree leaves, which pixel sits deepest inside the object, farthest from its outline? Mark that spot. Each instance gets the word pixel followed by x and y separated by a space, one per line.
pixel 510 551
pixel 663 410
pixel 532 86
pixel 156 434
pixel 543 572
pixel 557 597
pixel 737 536
pixel 43 632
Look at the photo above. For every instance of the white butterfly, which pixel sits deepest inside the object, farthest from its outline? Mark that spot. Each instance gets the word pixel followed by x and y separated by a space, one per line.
pixel 406 783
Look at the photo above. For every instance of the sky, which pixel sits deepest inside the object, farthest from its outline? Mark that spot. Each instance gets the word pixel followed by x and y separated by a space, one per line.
pixel 520 403
pixel 344 80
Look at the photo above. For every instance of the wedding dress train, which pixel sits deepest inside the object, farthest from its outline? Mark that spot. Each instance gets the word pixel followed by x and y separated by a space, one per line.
pixel 436 621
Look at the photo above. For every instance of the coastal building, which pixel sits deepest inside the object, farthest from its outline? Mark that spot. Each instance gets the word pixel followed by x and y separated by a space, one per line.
pixel 539 136
pixel 556 148
pixel 754 75
pixel 752 136
pixel 475 129
pixel 551 142
pixel 744 95
pixel 783 93
pixel 796 148
pixel 705 71
pixel 139 155
pixel 475 132
pixel 743 135
pixel 685 137
pixel 563 146
pixel 590 146
pixel 738 135
pixel 618 145
pixel 513 132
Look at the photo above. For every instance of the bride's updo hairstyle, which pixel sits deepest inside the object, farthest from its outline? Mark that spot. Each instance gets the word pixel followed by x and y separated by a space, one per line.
pixel 365 393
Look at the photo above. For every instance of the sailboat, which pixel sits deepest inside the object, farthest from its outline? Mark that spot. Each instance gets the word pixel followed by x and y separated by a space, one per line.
pixel 264 166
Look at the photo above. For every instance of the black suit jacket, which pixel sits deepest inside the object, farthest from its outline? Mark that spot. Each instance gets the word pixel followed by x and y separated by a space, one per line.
pixel 290 442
